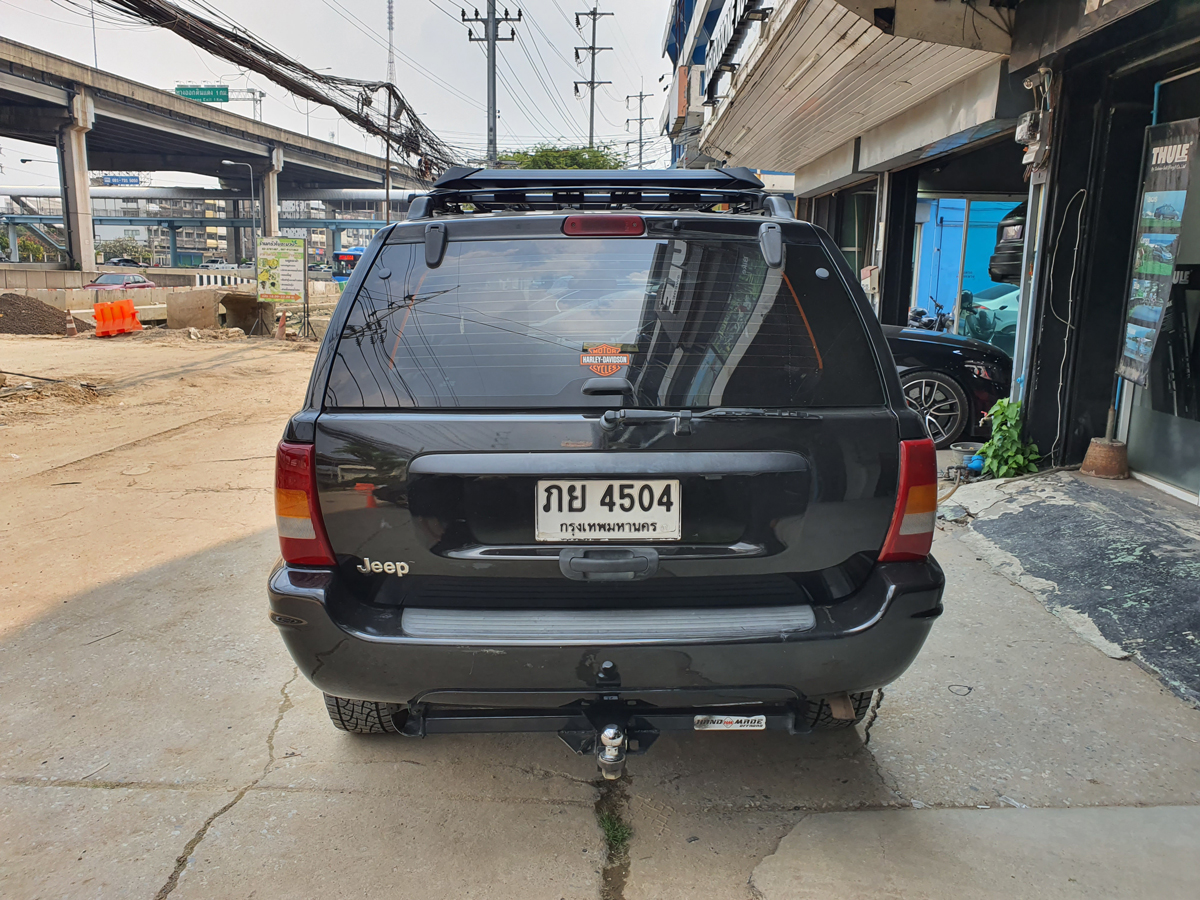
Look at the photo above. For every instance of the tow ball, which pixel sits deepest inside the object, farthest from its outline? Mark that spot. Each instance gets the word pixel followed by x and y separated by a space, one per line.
pixel 610 755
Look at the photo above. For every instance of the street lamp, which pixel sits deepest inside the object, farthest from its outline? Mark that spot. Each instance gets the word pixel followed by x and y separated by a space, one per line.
pixel 253 217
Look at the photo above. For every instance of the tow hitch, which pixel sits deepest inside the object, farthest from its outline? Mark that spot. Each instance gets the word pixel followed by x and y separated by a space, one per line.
pixel 611 756
pixel 613 728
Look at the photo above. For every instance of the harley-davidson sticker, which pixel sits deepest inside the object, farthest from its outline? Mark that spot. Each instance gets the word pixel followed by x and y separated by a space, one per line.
pixel 604 359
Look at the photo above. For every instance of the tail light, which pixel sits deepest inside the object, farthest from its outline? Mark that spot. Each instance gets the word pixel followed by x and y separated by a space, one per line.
pixel 302 538
pixel 604 226
pixel 911 534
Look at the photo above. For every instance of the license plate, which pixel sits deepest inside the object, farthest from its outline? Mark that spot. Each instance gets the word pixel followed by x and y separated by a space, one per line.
pixel 628 510
pixel 730 723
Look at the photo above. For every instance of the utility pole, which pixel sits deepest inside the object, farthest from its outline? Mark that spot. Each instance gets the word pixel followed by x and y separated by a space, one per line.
pixel 641 96
pixel 591 83
pixel 490 24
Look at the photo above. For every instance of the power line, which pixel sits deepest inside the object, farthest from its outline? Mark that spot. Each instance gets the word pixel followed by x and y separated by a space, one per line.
pixel 555 100
pixel 352 98
pixel 591 83
pixel 361 26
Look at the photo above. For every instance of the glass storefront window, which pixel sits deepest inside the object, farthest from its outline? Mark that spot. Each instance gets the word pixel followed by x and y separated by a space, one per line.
pixel 953 273
pixel 1164 423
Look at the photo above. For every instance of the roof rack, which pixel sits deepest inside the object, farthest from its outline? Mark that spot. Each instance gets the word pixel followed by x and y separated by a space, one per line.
pixel 490 190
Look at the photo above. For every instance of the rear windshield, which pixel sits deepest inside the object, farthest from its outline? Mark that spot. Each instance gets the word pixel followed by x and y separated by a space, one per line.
pixel 110 279
pixel 689 323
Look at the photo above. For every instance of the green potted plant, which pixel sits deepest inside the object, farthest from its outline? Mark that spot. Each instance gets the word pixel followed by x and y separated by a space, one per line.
pixel 1006 454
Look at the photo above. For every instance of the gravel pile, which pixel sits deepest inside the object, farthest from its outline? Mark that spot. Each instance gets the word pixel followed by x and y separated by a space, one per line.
pixel 24 315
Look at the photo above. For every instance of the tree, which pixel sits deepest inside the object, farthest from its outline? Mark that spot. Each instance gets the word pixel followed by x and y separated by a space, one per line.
pixel 547 156
pixel 27 248
pixel 126 247
pixel 32 249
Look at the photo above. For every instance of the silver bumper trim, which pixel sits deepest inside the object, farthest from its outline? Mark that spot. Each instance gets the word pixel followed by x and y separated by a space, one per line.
pixel 610 626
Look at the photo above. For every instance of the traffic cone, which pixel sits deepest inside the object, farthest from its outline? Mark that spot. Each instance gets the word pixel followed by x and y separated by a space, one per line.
pixel 72 331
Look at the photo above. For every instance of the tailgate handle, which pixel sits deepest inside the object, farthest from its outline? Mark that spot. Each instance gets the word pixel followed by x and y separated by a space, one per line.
pixel 594 386
pixel 608 564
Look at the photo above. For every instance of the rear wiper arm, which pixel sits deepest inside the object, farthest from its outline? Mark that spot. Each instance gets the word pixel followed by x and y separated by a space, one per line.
pixel 614 418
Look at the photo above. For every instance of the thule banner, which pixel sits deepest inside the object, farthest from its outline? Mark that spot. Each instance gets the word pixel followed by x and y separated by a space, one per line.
pixel 1166 170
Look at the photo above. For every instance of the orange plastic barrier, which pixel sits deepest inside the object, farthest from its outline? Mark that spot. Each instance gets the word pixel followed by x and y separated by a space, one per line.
pixel 118 317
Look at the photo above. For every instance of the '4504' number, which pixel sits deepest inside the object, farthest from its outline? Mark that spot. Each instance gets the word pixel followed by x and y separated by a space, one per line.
pixel 644 497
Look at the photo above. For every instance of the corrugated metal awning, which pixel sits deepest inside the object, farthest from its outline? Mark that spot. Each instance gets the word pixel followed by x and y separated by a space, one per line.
pixel 819 76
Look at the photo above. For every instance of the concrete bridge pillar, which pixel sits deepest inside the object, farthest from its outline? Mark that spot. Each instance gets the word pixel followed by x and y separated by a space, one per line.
pixel 76 189
pixel 271 194
pixel 13 251
pixel 173 245
pixel 233 239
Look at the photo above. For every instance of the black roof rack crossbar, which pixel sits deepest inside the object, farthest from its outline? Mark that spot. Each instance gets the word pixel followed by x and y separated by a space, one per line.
pixel 463 190
pixel 461 178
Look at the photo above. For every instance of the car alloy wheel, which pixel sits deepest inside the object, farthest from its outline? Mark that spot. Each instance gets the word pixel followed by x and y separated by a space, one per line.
pixel 941 404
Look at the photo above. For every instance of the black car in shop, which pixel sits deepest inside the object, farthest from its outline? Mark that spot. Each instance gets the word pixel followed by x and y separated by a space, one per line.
pixel 950 380
pixel 603 454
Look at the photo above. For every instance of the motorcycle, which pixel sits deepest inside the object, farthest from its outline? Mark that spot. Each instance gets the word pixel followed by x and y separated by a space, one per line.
pixel 918 317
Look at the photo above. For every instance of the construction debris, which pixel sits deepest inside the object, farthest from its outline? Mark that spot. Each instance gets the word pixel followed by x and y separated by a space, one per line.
pixel 24 315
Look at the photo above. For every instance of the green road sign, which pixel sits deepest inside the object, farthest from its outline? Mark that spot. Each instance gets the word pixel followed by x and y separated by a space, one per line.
pixel 205 93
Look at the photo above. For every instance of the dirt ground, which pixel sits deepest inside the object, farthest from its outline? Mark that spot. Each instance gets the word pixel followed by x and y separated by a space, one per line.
pixel 157 740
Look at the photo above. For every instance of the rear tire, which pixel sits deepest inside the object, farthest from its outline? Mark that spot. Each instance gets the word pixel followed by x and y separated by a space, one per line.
pixel 361 716
pixel 940 402
pixel 820 716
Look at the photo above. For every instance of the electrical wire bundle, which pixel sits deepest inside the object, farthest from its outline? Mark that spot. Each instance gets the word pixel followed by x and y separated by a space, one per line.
pixel 354 100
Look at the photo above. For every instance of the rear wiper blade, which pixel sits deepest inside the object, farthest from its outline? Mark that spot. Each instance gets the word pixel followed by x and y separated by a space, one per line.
pixel 615 418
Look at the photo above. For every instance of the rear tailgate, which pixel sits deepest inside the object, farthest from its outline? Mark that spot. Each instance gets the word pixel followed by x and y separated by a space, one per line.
pixel 530 401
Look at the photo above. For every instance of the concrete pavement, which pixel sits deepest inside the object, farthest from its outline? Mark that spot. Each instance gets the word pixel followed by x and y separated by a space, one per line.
pixel 158 742
pixel 1013 854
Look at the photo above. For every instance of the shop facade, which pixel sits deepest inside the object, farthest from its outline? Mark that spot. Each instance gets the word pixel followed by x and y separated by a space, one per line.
pixel 1114 275
pixel 923 135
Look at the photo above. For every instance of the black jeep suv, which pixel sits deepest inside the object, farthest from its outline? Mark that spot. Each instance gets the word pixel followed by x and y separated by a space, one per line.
pixel 603 453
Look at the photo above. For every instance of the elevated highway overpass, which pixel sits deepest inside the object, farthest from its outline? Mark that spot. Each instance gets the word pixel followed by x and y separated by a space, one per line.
pixel 99 121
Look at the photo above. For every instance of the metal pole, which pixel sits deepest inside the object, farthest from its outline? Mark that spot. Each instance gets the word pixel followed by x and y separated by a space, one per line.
pixel 95 48
pixel 592 88
pixel 962 265
pixel 387 166
pixel 491 82
pixel 491 35
pixel 641 126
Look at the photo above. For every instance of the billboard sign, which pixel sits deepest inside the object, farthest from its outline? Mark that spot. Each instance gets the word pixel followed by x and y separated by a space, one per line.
pixel 205 93
pixel 1166 170
pixel 281 269
pixel 118 180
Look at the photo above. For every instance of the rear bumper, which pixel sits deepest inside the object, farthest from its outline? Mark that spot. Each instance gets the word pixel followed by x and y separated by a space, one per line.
pixel 863 642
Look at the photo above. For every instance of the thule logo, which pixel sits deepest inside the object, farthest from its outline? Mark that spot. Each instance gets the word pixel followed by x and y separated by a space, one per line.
pixel 391 568
pixel 1169 155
